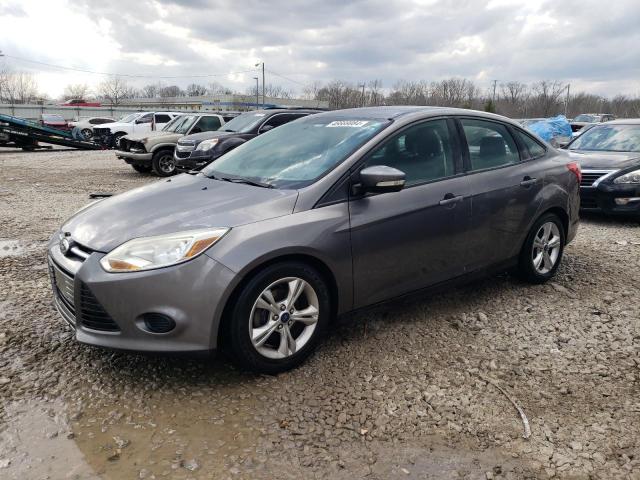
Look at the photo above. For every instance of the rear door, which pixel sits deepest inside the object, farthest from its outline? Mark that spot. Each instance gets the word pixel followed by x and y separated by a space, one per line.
pixel 407 240
pixel 279 119
pixel 505 187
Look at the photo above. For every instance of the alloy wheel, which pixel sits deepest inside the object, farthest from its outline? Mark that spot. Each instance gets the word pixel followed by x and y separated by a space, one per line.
pixel 167 164
pixel 546 248
pixel 283 318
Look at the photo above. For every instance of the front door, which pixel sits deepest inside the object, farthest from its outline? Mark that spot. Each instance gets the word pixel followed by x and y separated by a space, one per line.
pixel 414 238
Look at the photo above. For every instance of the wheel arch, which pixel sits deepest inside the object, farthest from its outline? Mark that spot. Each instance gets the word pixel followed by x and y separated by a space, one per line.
pixel 161 147
pixel 561 213
pixel 311 260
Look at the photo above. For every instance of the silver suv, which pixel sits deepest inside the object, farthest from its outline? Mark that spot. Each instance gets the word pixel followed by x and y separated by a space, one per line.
pixel 154 150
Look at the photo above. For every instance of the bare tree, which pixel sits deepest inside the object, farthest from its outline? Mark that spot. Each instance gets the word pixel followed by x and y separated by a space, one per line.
pixel 78 90
pixel 546 98
pixel 195 90
pixel 115 90
pixel 310 91
pixel 374 94
pixel 216 88
pixel 18 87
pixel 170 91
pixel 150 91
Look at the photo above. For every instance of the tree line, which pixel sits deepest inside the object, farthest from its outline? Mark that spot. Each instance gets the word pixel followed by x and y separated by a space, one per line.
pixel 514 99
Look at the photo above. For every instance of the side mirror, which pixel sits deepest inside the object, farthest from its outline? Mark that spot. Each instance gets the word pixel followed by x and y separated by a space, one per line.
pixel 266 128
pixel 382 179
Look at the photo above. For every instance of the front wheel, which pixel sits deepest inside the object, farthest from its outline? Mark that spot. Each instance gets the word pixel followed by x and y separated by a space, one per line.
pixel 164 164
pixel 279 318
pixel 87 133
pixel 542 251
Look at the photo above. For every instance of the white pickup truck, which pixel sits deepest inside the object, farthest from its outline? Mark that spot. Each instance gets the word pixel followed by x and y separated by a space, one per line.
pixel 138 122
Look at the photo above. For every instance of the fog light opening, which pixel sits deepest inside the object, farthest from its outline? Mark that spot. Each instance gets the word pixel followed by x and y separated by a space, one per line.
pixel 626 200
pixel 158 323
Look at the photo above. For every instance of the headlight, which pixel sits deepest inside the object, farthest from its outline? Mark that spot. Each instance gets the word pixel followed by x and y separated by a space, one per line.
pixel 207 145
pixel 147 253
pixel 631 177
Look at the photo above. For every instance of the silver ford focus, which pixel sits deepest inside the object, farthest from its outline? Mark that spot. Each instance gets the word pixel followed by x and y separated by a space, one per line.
pixel 330 213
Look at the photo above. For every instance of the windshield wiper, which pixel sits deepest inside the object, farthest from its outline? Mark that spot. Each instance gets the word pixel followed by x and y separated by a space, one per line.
pixel 247 181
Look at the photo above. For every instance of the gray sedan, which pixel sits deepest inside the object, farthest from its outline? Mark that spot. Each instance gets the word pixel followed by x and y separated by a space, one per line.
pixel 327 214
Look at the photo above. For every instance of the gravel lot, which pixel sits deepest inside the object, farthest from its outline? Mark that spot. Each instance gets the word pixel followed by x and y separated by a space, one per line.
pixel 394 392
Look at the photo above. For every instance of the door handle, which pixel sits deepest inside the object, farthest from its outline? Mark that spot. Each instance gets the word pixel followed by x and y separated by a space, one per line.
pixel 528 181
pixel 450 199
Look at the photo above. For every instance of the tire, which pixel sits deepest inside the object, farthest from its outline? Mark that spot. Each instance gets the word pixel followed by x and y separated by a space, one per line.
pixel 116 139
pixel 87 133
pixel 538 263
pixel 142 168
pixel 275 351
pixel 163 163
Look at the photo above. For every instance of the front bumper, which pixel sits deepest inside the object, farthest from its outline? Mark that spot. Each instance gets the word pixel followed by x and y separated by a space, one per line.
pixel 196 160
pixel 192 294
pixel 135 158
pixel 602 198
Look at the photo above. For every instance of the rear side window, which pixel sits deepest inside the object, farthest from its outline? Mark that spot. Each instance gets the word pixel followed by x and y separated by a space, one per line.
pixel 423 152
pixel 208 124
pixel 281 119
pixel 162 118
pixel 490 144
pixel 534 149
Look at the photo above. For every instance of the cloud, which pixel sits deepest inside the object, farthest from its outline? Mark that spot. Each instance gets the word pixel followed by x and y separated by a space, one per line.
pixel 590 43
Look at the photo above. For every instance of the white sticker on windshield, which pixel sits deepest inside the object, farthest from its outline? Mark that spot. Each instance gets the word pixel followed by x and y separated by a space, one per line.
pixel 348 123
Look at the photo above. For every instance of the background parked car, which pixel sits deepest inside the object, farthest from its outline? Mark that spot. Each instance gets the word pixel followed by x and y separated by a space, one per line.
pixel 111 133
pixel 80 102
pixel 584 119
pixel 86 124
pixel 54 121
pixel 324 215
pixel 609 154
pixel 194 152
pixel 154 150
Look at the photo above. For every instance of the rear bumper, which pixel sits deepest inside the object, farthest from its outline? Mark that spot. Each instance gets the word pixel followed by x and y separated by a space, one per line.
pixel 611 199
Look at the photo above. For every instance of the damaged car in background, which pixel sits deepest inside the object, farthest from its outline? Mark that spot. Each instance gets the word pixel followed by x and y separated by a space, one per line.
pixel 154 150
pixel 609 155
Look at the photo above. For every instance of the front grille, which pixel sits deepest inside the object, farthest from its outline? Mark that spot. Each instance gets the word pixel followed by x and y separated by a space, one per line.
pixel 589 177
pixel 101 131
pixel 63 290
pixel 91 313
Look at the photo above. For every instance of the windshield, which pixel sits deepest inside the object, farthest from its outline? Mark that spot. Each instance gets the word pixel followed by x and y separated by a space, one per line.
pixel 296 154
pixel 180 124
pixel 609 138
pixel 243 123
pixel 585 118
pixel 129 118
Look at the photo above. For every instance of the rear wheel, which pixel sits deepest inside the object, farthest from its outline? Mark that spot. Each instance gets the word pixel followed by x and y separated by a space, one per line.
pixel 542 251
pixel 87 133
pixel 117 137
pixel 279 318
pixel 142 168
pixel 163 163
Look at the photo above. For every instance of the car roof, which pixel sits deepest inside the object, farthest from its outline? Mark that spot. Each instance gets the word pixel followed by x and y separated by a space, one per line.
pixel 271 111
pixel 399 111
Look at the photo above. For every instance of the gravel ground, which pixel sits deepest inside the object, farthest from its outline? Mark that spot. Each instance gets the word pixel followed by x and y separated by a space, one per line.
pixel 401 391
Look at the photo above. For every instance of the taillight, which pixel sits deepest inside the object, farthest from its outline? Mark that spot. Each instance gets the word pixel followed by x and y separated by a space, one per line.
pixel 574 168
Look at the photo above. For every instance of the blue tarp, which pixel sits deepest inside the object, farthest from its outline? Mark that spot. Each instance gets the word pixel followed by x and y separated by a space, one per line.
pixel 551 128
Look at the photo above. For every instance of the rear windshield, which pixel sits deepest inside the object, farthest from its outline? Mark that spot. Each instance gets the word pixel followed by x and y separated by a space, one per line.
pixel 296 154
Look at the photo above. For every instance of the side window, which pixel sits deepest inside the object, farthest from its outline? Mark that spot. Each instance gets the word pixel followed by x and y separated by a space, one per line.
pixel 162 118
pixel 145 118
pixel 490 144
pixel 280 119
pixel 423 152
pixel 207 124
pixel 534 149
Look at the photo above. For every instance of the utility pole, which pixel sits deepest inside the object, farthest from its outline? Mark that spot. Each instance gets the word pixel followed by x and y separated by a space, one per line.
pixel 566 103
pixel 257 65
pixel 493 98
pixel 362 94
pixel 257 90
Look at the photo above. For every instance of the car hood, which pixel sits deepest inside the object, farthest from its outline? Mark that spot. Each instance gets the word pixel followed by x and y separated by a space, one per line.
pixel 199 137
pixel 157 135
pixel 589 160
pixel 184 202
pixel 114 125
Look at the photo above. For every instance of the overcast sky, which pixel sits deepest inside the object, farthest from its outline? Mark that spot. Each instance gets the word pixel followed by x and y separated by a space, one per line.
pixel 591 43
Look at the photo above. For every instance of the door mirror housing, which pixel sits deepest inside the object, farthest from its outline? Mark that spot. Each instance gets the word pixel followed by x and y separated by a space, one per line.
pixel 382 179
pixel 266 128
